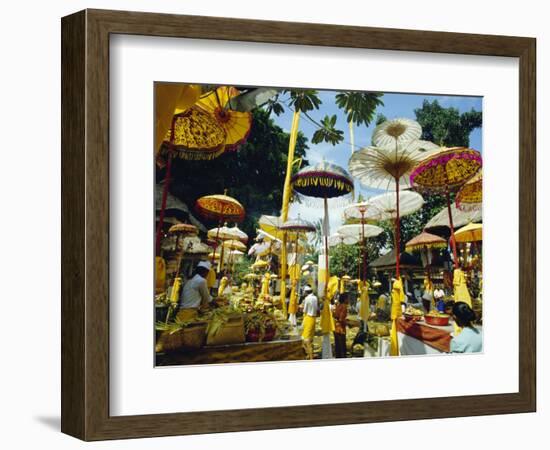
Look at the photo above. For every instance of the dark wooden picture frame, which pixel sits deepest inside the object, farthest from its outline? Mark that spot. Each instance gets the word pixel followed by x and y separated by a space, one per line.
pixel 85 224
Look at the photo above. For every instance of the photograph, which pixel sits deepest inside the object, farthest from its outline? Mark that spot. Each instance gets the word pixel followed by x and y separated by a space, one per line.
pixel 305 224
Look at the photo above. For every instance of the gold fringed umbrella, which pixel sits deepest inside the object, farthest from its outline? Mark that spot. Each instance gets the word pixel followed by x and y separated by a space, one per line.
pixel 220 207
pixel 236 124
pixel 470 195
pixel 446 170
pixel 473 232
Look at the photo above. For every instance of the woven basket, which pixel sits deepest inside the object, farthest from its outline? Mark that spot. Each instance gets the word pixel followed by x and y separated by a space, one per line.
pixel 188 338
pixel 231 332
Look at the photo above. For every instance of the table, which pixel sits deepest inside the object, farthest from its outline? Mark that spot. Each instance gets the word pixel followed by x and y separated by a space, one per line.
pixel 419 338
pixel 278 350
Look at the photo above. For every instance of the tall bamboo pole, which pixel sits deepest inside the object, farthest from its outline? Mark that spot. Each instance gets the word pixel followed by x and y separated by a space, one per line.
pixel 286 199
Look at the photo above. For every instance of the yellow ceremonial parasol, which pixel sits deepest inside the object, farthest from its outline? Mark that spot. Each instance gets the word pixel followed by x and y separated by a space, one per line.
pixel 170 99
pixel 234 244
pixel 236 124
pixel 260 264
pixel 446 170
pixel 473 232
pixel 220 207
pixel 470 195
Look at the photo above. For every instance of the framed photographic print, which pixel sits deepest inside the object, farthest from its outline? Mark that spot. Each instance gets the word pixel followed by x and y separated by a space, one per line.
pixel 264 210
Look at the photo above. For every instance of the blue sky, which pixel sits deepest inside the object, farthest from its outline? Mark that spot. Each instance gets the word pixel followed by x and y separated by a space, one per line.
pixel 395 105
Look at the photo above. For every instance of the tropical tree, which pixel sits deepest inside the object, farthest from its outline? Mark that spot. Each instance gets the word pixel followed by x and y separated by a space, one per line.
pixel 447 126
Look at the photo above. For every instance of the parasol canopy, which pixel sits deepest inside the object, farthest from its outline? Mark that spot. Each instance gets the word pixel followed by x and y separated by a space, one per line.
pixel 197 136
pixel 425 240
pixel 260 264
pixel 220 207
pixel 470 195
pixel 337 239
pixel 236 124
pixel 239 234
pixel 323 180
pixel 472 232
pixel 380 167
pixel 398 131
pixel 221 233
pixel 356 231
pixel 297 225
pixel 271 225
pixel 460 218
pixel 384 206
pixel 447 169
pixel 234 244
pixel 183 228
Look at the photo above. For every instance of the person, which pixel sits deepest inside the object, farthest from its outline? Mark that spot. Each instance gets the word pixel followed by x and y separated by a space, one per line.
pixel 438 298
pixel 417 293
pixel 310 307
pixel 340 322
pixel 195 293
pixel 470 339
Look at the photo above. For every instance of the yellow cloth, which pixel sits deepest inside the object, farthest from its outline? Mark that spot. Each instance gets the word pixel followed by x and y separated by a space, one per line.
pixel 461 289
pixel 222 286
pixel 364 296
pixel 341 288
pixel 160 275
pixel 327 320
pixel 265 285
pixel 175 294
pixel 397 297
pixel 211 278
pixel 293 301
pixel 170 99
pixel 332 288
pixel 187 314
pixel 308 325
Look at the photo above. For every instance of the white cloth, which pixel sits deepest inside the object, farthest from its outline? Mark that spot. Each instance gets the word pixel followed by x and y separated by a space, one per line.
pixel 439 293
pixel 194 293
pixel 310 305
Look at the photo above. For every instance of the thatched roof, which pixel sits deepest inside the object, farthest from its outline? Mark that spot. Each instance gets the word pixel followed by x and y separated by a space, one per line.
pixel 175 207
pixel 388 261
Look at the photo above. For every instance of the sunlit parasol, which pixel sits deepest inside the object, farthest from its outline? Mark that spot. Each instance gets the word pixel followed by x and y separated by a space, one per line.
pixel 340 239
pixel 473 232
pixel 236 124
pixel 392 206
pixel 388 164
pixel 324 180
pixel 470 195
pixel 297 227
pixel 234 244
pixel 446 170
pixel 220 207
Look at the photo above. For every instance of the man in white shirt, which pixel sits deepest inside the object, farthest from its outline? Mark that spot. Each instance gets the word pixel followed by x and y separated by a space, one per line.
pixel 195 293
pixel 309 306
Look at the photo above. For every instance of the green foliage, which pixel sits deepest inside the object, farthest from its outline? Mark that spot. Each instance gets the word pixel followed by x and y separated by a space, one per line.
pixel 346 259
pixel 241 269
pixel 447 126
pixel 328 132
pixel 254 174
pixel 304 99
pixel 380 118
pixel 359 106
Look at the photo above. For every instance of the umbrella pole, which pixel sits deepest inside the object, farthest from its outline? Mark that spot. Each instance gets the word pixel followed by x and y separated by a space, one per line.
pixel 453 242
pixel 326 249
pixel 363 250
pixel 397 230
